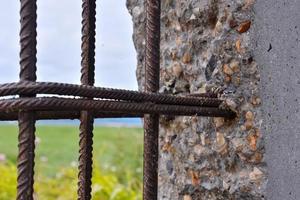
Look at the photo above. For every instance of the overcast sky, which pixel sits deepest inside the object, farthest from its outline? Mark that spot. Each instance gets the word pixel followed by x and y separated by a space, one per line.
pixel 59 38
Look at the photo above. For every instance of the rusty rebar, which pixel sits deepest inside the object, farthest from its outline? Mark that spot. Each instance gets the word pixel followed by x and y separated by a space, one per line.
pixel 26 119
pixel 57 115
pixel 66 104
pixel 151 122
pixel 104 93
pixel 88 42
pixel 85 156
pixel 26 156
pixel 86 118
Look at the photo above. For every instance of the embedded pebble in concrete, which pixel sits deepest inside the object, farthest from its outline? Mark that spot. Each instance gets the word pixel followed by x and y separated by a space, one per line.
pixel 206 44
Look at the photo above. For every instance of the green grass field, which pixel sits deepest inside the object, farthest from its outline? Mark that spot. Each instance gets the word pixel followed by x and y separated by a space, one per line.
pixel 116 150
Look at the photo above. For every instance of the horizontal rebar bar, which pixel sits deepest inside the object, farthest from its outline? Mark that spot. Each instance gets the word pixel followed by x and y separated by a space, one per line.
pixel 65 104
pixel 57 115
pixel 106 93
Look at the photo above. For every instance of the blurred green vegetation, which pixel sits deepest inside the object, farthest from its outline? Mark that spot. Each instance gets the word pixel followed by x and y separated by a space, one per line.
pixel 117 162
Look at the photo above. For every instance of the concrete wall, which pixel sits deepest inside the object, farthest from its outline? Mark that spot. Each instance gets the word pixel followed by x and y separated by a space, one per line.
pixel 251 50
pixel 277 51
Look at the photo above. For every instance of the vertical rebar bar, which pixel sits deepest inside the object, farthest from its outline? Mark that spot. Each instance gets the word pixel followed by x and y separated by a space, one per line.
pixel 151 122
pixel 27 119
pixel 86 117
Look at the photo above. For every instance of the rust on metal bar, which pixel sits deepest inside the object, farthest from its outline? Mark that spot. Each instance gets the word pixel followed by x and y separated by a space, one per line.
pixel 151 122
pixel 56 115
pixel 67 104
pixel 105 93
pixel 85 156
pixel 86 118
pixel 27 119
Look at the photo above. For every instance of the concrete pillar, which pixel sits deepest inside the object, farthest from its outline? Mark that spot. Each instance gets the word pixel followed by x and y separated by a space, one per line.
pixel 277 51
pixel 249 50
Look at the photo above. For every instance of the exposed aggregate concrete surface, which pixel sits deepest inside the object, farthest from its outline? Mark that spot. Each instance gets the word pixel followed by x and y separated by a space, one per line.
pixel 205 45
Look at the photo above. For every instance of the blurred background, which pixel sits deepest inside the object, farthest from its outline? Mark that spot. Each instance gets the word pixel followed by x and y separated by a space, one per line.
pixel 118 143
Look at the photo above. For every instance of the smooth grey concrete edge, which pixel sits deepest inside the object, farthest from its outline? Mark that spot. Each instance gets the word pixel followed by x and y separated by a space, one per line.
pixel 276 47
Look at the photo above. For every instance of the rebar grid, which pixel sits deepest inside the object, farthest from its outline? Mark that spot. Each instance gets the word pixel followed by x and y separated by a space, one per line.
pixel 87 102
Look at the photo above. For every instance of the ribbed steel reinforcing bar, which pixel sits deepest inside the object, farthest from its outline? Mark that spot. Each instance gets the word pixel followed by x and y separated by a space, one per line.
pixel 73 114
pixel 27 119
pixel 67 104
pixel 151 122
pixel 104 93
pixel 86 118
